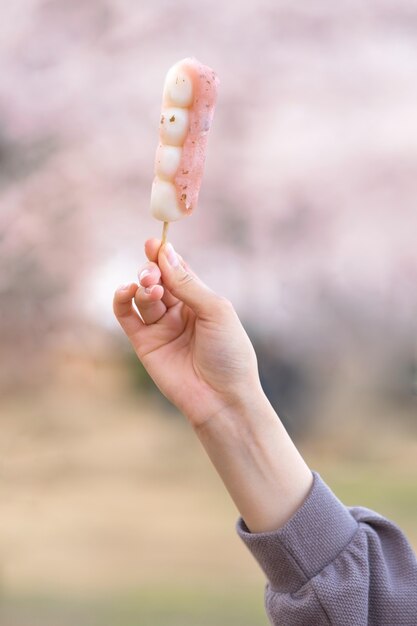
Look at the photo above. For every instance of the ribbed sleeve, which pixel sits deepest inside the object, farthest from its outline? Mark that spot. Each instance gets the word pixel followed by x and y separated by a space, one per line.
pixel 334 565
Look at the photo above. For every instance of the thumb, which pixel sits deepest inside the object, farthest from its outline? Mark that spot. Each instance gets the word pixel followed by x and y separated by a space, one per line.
pixel 184 285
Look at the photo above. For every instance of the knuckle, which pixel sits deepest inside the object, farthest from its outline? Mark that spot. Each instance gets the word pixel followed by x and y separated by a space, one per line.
pixel 224 303
pixel 185 278
pixel 139 296
pixel 221 306
pixel 149 266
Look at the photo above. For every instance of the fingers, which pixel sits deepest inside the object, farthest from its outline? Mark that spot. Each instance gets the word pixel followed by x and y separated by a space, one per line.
pixel 152 248
pixel 184 284
pixel 150 304
pixel 181 282
pixel 153 298
pixel 127 316
pixel 151 274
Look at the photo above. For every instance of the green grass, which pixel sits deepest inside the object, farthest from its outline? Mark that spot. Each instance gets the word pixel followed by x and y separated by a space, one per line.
pixel 389 491
pixel 383 493
pixel 153 607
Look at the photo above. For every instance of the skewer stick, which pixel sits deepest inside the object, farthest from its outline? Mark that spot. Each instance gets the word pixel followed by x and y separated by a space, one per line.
pixel 164 232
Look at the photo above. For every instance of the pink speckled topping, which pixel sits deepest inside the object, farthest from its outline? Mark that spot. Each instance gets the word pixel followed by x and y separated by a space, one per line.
pixel 190 172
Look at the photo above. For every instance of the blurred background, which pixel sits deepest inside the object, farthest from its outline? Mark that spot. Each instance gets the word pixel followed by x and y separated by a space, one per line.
pixel 110 512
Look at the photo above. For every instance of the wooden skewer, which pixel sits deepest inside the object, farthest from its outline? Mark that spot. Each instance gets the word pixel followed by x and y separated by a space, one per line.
pixel 164 232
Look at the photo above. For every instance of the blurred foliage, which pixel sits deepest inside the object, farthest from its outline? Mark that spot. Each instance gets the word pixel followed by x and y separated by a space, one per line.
pixel 18 160
pixel 307 223
pixel 289 387
pixel 140 381
pixel 140 384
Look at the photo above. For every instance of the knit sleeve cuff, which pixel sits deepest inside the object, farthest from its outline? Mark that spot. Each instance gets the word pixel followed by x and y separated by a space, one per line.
pixel 317 532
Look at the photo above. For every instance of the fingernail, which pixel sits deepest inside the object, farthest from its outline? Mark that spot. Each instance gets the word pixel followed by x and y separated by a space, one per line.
pixel 143 274
pixel 123 286
pixel 171 255
pixel 149 289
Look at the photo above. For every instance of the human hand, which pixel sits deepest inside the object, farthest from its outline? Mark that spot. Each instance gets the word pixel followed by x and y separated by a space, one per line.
pixel 189 339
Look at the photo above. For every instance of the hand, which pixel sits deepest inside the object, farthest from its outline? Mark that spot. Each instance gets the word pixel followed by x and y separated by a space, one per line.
pixel 194 347
pixel 189 339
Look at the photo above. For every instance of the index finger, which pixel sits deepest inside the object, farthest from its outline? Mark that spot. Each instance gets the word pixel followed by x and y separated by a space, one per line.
pixel 152 248
pixel 127 316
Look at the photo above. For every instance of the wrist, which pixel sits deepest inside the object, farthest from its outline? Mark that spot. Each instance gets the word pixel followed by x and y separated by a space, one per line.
pixel 245 422
pixel 257 461
pixel 246 407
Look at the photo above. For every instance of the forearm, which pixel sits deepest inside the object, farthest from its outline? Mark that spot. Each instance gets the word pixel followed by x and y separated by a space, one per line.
pixel 260 466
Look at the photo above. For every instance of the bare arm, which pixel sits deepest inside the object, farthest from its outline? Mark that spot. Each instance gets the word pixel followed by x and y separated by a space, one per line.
pixel 260 466
pixel 194 347
pixel 324 563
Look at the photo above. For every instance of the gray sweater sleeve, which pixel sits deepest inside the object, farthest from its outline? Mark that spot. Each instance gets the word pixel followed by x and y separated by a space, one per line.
pixel 336 565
